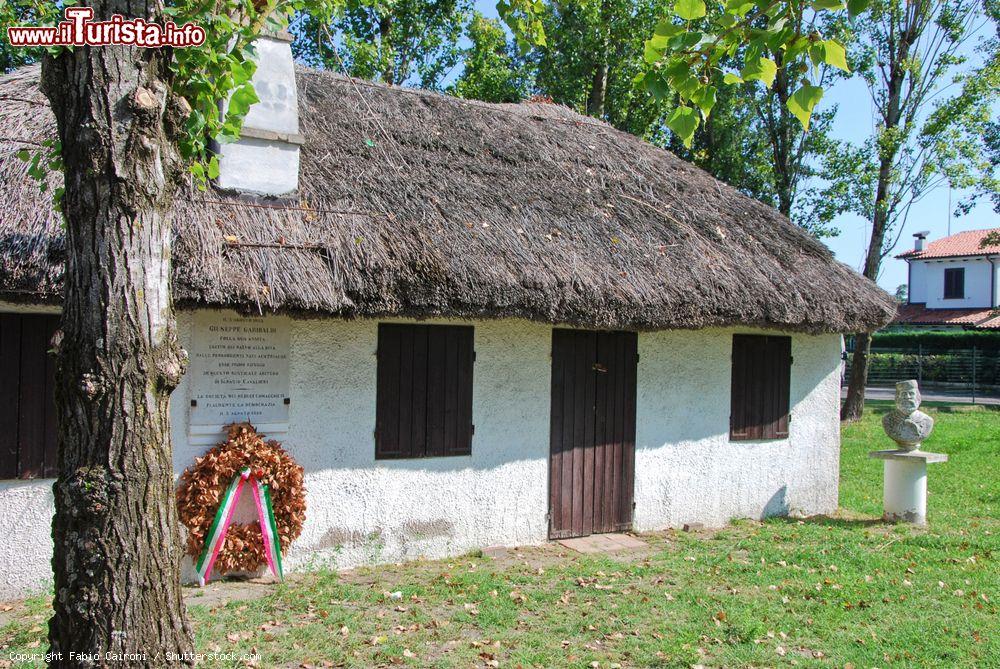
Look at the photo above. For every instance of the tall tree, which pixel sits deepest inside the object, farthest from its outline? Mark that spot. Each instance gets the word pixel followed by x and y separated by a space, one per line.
pixel 129 121
pixel 755 137
pixel 116 546
pixel 493 70
pixel 592 54
pixel 395 41
pixel 755 144
pixel 907 52
pixel 791 144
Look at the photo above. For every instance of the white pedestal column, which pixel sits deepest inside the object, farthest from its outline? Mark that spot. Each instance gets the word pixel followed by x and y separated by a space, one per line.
pixel 904 495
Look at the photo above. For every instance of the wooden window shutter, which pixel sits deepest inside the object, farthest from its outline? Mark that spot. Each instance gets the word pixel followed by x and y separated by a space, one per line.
pixel 27 397
pixel 761 379
pixel 954 283
pixel 424 394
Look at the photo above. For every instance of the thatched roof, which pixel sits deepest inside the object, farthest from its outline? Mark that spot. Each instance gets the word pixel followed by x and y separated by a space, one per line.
pixel 418 204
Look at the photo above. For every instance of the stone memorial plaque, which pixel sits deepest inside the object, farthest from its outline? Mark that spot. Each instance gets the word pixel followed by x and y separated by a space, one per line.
pixel 239 370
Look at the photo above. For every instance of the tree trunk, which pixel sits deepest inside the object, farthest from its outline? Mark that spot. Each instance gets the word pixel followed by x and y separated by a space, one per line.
pixel 385 46
pixel 854 403
pixel 117 548
pixel 598 91
pixel 783 137
pixel 599 75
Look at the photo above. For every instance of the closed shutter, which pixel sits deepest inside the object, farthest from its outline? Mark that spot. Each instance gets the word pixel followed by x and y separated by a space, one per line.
pixel 27 396
pixel 954 283
pixel 761 378
pixel 424 394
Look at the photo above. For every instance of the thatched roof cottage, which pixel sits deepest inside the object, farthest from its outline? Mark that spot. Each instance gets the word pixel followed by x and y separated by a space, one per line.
pixel 484 324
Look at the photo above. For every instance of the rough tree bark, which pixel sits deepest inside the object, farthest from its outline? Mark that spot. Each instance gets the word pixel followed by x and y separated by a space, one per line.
pixel 117 549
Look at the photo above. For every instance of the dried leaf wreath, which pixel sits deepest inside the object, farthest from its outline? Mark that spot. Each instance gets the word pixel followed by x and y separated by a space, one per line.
pixel 203 485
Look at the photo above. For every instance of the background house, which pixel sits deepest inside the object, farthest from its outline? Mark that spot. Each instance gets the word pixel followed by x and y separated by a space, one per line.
pixel 954 282
pixel 472 324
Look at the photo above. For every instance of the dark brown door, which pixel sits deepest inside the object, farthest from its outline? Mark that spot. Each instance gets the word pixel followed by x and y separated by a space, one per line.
pixel 27 396
pixel 592 452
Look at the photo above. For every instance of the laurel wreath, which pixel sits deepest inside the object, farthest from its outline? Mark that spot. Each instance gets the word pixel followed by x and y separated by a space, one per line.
pixel 203 484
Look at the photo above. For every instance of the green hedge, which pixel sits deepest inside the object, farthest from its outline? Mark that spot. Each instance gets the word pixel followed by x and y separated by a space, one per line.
pixel 935 368
pixel 938 341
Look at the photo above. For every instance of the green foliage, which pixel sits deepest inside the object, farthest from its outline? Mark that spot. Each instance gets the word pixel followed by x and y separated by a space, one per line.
pixel 937 341
pixel 749 137
pixel 752 134
pixel 698 48
pixel 221 69
pixel 522 16
pixel 593 54
pixel 494 71
pixel 933 115
pixel 689 10
pixel 17 13
pixel 394 41
pixel 761 68
pixel 934 368
pixel 803 101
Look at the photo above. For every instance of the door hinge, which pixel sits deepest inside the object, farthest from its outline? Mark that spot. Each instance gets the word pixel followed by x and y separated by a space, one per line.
pixel 473 428
pixel 473 356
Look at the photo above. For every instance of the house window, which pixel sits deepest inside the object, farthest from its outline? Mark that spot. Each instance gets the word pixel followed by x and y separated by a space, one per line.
pixel 954 283
pixel 27 405
pixel 424 396
pixel 760 382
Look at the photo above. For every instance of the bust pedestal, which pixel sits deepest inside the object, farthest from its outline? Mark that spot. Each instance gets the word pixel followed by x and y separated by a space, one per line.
pixel 904 492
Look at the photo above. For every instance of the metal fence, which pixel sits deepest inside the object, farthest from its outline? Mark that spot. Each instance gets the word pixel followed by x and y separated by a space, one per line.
pixel 972 372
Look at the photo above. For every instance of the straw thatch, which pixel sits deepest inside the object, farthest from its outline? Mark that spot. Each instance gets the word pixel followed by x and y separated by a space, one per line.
pixel 417 204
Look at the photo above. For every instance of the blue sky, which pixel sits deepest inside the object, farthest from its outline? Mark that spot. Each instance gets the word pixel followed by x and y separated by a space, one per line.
pixel 854 123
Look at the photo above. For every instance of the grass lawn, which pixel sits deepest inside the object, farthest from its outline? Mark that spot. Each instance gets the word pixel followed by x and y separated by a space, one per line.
pixel 846 591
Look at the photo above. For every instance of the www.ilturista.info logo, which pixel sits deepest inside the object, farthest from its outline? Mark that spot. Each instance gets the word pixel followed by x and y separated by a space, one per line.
pixel 79 30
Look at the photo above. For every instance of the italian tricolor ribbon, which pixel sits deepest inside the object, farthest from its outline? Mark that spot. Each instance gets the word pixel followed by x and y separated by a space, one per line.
pixel 224 517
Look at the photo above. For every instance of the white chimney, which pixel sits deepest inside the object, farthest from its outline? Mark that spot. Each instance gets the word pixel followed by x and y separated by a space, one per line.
pixel 265 160
pixel 919 238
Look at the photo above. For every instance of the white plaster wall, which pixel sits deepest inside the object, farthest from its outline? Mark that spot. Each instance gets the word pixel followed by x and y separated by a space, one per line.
pixel 917 288
pixel 26 509
pixel 687 469
pixel 267 166
pixel 363 511
pixel 274 83
pixel 996 281
pixel 927 277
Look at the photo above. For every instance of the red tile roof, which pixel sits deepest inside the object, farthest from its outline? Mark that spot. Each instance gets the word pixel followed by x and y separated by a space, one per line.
pixel 919 314
pixel 960 244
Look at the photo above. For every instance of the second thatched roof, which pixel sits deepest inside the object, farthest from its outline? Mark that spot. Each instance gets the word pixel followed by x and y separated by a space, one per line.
pixel 417 204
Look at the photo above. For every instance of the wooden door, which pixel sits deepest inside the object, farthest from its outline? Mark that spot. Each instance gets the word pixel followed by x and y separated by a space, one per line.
pixel 592 440
pixel 27 396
